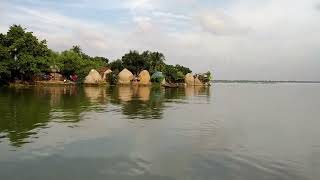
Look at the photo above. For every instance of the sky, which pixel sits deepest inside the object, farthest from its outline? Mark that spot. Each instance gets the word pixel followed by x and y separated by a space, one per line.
pixel 235 39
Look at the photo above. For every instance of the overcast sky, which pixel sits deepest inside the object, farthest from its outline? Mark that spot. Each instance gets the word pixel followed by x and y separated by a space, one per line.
pixel 236 39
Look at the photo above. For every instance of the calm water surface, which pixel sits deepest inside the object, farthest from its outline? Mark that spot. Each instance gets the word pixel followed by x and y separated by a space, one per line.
pixel 226 132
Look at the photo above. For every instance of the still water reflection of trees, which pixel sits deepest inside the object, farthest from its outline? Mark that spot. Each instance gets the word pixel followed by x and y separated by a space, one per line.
pixel 25 111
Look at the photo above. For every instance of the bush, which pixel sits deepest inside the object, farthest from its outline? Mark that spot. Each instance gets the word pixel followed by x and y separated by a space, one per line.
pixel 173 75
pixel 206 77
pixel 112 78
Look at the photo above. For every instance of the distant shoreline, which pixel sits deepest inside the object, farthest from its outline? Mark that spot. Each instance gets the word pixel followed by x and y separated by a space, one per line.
pixel 264 81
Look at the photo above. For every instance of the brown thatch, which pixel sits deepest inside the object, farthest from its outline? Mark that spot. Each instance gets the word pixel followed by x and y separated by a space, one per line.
pixel 189 79
pixel 144 78
pixel 93 77
pixel 125 77
pixel 197 82
pixel 104 71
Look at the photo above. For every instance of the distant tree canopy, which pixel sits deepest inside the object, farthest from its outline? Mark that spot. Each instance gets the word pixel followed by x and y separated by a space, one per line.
pixel 23 56
pixel 151 61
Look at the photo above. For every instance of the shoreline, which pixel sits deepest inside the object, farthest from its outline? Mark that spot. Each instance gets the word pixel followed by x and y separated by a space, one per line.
pixel 103 84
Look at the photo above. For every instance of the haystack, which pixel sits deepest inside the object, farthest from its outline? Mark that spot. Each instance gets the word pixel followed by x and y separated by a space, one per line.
pixel 93 77
pixel 125 77
pixel 144 78
pixel 197 82
pixel 189 79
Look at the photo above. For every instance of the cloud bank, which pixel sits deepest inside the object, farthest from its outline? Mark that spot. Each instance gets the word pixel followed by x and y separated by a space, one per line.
pixel 247 39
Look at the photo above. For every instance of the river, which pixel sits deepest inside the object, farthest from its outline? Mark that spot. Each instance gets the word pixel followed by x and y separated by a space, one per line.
pixel 234 131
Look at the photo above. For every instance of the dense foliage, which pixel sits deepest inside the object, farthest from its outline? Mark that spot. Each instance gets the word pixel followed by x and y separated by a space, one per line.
pixel 24 57
pixel 206 77
pixel 152 62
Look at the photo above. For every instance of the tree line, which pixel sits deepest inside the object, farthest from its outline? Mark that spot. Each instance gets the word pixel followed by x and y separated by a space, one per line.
pixel 24 57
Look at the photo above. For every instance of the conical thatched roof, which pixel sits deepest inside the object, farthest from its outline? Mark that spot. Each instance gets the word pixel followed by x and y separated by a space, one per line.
pixel 104 71
pixel 144 78
pixel 125 77
pixel 189 79
pixel 93 77
pixel 197 82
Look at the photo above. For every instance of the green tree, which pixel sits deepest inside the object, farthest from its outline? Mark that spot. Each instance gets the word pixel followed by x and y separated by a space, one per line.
pixel 154 61
pixel 28 55
pixel 183 69
pixel 4 63
pixel 116 65
pixel 73 62
pixel 101 59
pixel 76 49
pixel 172 74
pixel 134 62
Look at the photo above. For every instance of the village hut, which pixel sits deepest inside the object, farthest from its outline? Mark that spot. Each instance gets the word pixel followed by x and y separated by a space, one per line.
pixel 189 79
pixel 125 77
pixel 197 82
pixel 144 78
pixel 104 71
pixel 93 77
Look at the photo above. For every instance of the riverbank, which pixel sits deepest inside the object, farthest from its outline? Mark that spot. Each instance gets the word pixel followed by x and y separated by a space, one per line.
pixel 70 83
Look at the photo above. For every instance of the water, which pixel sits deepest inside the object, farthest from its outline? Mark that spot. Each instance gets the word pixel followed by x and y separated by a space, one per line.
pixel 226 132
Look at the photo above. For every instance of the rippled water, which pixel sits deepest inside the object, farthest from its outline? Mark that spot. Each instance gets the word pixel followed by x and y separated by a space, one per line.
pixel 226 132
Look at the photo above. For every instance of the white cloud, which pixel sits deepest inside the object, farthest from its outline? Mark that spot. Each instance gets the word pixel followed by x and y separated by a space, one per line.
pixel 139 4
pixel 247 39
pixel 170 15
pixel 219 23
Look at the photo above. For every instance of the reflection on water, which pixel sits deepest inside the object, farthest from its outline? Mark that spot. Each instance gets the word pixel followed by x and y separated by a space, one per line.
pixel 229 131
pixel 26 109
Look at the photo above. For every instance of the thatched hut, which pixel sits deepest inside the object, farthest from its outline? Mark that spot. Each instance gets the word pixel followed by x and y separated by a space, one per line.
pixel 93 77
pixel 125 77
pixel 189 79
pixel 104 71
pixel 144 78
pixel 197 82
